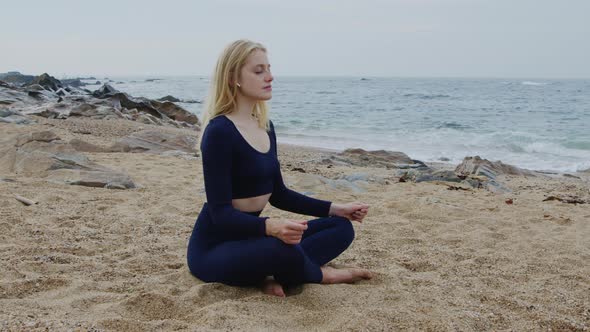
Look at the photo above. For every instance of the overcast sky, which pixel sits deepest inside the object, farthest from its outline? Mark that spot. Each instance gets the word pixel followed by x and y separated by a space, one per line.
pixel 400 38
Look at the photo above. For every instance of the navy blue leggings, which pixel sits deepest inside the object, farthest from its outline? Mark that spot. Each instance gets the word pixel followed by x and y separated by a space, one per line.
pixel 232 260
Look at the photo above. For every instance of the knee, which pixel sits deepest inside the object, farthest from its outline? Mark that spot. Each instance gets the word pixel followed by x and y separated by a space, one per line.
pixel 285 253
pixel 346 230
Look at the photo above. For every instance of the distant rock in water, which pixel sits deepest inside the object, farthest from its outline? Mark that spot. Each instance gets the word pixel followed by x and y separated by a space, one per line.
pixel 169 98
pixel 153 79
pixel 75 82
pixel 16 78
pixel 191 101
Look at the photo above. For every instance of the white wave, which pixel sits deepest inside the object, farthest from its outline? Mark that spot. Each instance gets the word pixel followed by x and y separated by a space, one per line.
pixel 533 83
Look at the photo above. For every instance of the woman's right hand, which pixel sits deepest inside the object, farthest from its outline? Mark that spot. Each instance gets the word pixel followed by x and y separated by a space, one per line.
pixel 289 231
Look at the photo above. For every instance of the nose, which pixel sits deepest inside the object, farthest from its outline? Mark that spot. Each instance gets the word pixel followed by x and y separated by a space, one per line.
pixel 269 77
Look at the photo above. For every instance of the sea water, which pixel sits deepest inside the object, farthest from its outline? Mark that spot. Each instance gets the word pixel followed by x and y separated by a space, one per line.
pixel 541 124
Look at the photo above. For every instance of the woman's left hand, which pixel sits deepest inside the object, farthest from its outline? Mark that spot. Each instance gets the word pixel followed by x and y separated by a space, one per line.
pixel 355 211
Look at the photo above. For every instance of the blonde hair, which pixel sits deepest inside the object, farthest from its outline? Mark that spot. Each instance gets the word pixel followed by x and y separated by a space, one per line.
pixel 222 95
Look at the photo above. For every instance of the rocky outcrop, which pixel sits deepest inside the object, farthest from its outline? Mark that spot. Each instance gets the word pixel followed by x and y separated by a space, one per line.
pixel 378 158
pixel 43 154
pixel 47 97
pixel 47 82
pixel 10 116
pixel 490 169
pixel 16 78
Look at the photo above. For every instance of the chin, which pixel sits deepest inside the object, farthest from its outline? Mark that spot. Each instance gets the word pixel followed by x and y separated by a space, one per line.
pixel 265 97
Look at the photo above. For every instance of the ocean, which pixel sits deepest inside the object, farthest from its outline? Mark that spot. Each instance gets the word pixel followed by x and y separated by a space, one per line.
pixel 540 124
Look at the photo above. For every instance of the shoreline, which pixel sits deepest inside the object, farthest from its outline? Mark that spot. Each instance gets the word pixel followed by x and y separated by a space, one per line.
pixel 435 164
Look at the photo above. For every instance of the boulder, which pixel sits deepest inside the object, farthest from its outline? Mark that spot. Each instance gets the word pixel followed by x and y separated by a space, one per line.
pixel 360 157
pixel 490 169
pixel 11 116
pixel 176 112
pixel 47 81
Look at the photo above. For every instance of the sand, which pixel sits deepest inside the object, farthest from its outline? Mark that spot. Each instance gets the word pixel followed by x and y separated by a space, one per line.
pixel 98 259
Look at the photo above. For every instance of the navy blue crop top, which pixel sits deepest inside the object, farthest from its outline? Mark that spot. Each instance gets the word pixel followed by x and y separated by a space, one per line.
pixel 232 169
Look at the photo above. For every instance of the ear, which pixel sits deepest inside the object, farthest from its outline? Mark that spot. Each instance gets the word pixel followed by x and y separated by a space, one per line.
pixel 233 81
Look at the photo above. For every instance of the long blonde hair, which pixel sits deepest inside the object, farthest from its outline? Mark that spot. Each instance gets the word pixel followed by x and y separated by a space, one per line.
pixel 222 98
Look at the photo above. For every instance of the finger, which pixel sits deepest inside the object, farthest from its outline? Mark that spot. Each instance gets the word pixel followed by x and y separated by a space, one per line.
pixel 289 233
pixel 296 226
pixel 302 222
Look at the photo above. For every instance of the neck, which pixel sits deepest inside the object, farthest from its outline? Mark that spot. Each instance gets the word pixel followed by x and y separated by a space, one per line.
pixel 244 108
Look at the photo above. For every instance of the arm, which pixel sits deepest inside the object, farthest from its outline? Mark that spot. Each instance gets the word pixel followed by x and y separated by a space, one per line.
pixel 292 201
pixel 216 148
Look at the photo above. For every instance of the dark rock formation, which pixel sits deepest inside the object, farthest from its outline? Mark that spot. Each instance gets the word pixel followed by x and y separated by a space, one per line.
pixel 169 98
pixel 47 82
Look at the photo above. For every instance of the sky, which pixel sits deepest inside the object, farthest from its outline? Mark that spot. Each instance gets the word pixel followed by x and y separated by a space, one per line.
pixel 395 38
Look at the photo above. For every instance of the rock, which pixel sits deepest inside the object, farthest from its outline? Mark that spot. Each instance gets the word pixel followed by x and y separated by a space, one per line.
pixel 441 175
pixel 92 110
pixel 169 98
pixel 360 157
pixel 43 154
pixel 6 85
pixel 363 177
pixel 154 141
pixel 75 82
pixel 478 166
pixel 17 78
pixel 176 112
pixel 10 116
pixel 40 136
pixel 105 91
pixel 48 82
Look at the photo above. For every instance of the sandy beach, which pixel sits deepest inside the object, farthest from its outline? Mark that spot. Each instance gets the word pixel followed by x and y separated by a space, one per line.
pixel 93 259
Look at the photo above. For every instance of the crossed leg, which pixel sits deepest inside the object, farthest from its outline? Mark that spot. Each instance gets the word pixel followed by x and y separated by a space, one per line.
pixel 250 261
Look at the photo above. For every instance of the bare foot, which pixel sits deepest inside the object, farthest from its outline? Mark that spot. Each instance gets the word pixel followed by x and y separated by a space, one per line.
pixel 345 275
pixel 272 287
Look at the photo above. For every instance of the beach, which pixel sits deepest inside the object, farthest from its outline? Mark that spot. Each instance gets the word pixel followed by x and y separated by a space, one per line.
pixel 446 256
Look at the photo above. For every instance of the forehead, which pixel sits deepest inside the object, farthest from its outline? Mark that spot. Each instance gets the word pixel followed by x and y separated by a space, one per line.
pixel 257 57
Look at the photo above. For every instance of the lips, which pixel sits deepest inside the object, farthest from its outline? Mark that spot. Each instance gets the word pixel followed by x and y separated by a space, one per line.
pixel 268 87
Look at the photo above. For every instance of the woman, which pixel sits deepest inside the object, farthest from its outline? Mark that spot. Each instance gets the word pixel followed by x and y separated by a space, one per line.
pixel 231 243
